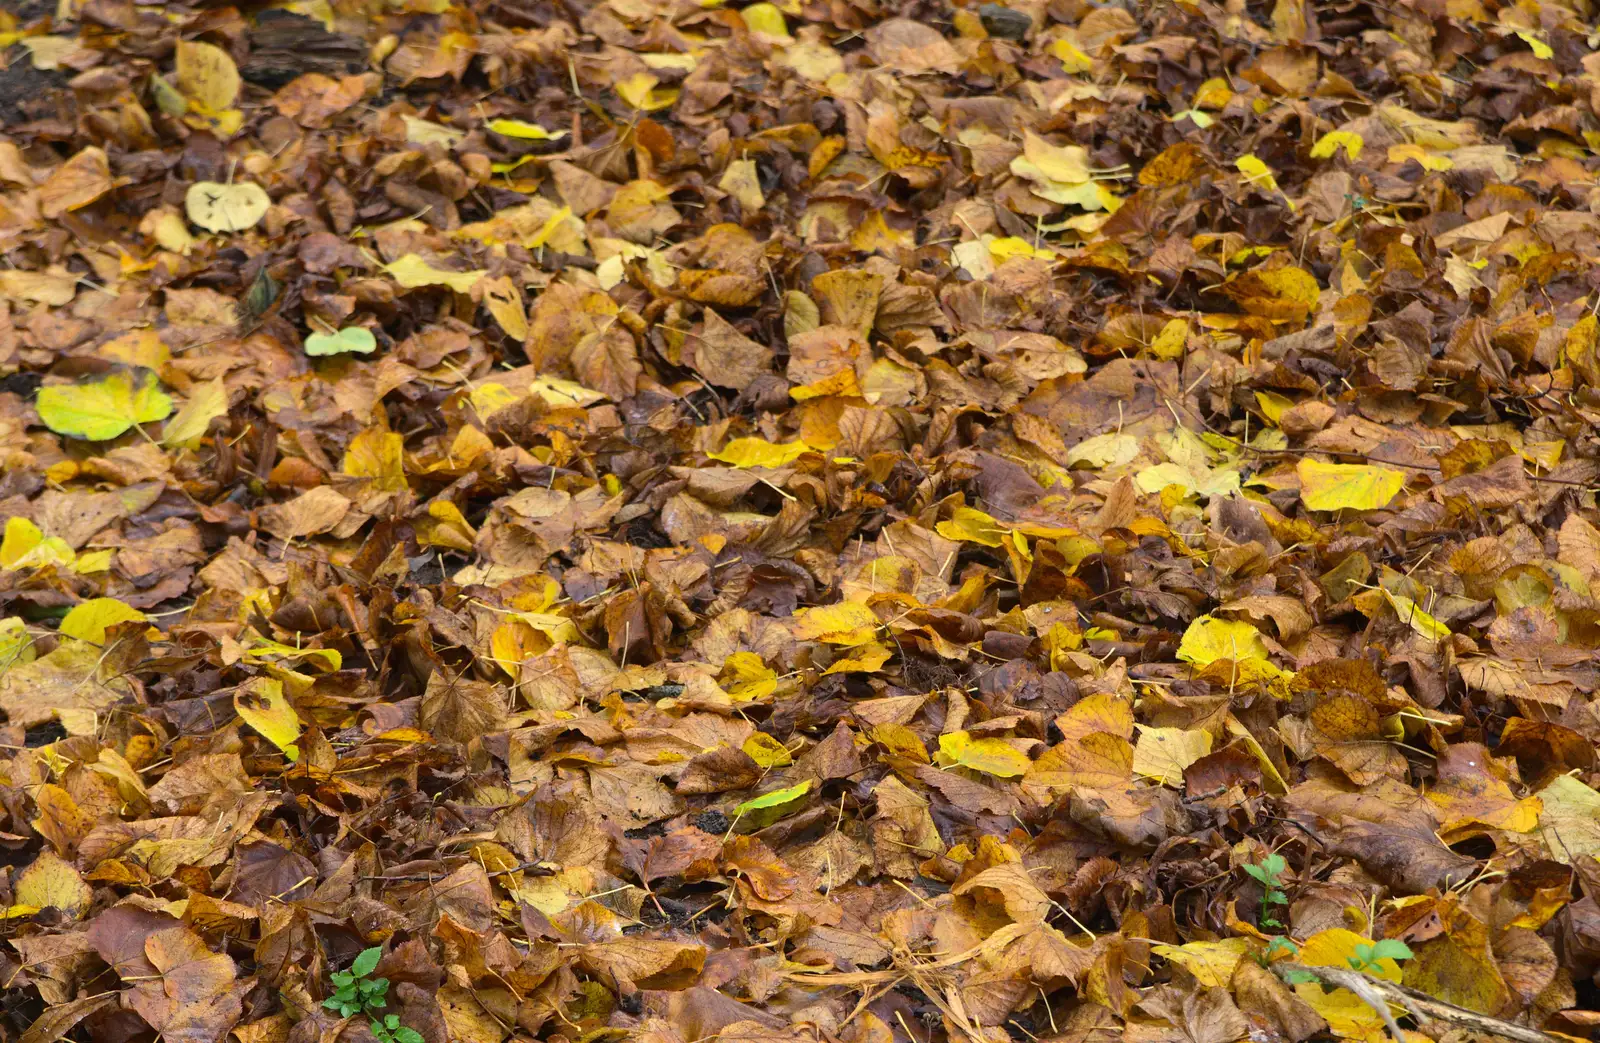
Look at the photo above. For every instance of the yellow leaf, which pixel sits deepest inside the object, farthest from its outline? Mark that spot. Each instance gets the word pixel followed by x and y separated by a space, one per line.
pixel 1211 963
pixel 864 660
pixel 88 620
pixel 1335 946
pixel 1428 160
pixel 1273 405
pixel 1209 639
pixel 193 419
pixel 1007 247
pixel 102 409
pixel 1170 343
pixel 1068 164
pixel 1333 141
pixel 1569 821
pixel 1333 487
pixel 446 526
pixel 767 751
pixel 900 741
pixel 842 623
pixel 525 131
pixel 1349 1017
pixel 990 756
pixel 1072 59
pixel 1255 171
pixel 758 452
pixel 746 678
pixel 226 208
pixel 1163 753
pixel 639 91
pixel 378 455
pixel 263 706
pixel 970 525
pixel 25 546
pixel 559 392
pixel 765 19
pixel 1214 94
pixel 51 882
pixel 1541 49
pixel 206 74
pixel 411 271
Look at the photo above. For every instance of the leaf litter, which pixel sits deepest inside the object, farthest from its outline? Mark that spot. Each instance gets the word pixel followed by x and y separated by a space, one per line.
pixel 652 520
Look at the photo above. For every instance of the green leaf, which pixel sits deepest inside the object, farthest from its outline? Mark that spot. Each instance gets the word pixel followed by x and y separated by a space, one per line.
pixel 391 1021
pixel 103 409
pixel 1390 949
pixel 357 339
pixel 367 961
pixel 407 1035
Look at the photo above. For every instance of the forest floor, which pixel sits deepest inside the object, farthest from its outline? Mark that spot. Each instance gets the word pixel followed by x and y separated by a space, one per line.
pixel 856 521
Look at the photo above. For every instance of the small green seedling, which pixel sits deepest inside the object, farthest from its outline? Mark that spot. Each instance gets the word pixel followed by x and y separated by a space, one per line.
pixel 355 992
pixel 1367 956
pixel 1269 874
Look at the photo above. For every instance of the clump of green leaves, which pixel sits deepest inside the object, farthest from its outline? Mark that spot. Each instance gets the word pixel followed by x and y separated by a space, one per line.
pixel 357 992
pixel 1367 956
pixel 1269 874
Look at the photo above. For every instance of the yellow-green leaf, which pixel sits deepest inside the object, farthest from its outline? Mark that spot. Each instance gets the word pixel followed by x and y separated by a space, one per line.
pixel 351 339
pixel 15 644
pixel 760 812
pixel 263 706
pixel 88 621
pixel 990 756
pixel 103 409
pixel 1411 613
pixel 1333 487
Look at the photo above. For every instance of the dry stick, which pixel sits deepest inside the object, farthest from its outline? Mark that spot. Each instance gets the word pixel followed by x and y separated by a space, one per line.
pixel 1378 994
